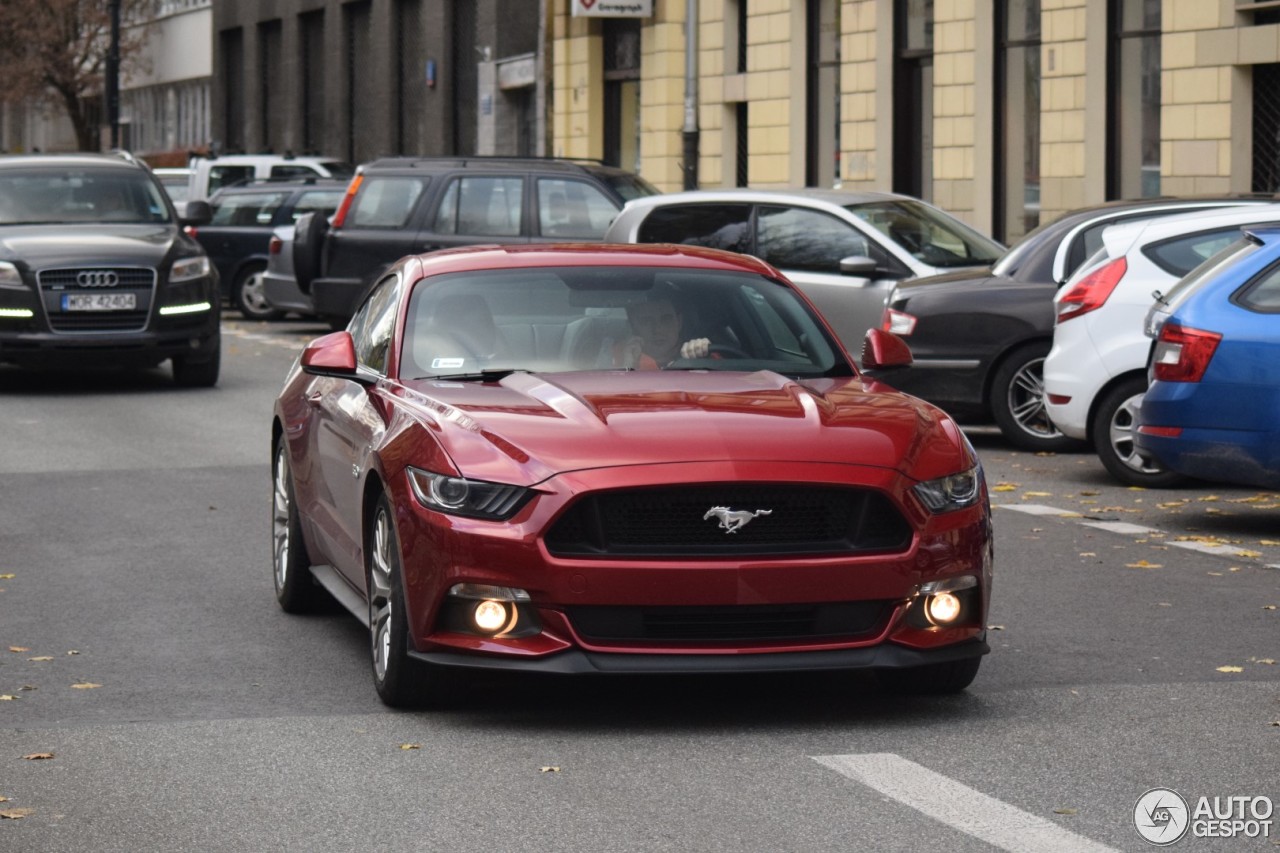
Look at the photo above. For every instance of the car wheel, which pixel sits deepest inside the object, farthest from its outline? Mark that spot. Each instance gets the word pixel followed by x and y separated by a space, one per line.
pixel 308 240
pixel 250 297
pixel 400 681
pixel 296 590
pixel 932 679
pixel 1114 425
pixel 1017 402
pixel 190 372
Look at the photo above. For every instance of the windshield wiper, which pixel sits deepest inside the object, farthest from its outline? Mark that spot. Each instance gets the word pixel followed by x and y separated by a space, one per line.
pixel 496 374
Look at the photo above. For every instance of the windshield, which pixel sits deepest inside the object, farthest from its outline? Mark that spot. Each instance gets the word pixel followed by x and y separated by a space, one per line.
pixel 552 320
pixel 628 186
pixel 927 234
pixel 56 196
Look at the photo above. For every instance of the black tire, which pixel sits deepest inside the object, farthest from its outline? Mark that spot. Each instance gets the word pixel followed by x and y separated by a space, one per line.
pixel 296 589
pixel 308 242
pixel 190 372
pixel 934 679
pixel 401 681
pixel 1113 426
pixel 248 296
pixel 1017 402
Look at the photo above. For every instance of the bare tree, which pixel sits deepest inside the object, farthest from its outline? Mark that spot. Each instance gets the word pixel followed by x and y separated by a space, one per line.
pixel 55 51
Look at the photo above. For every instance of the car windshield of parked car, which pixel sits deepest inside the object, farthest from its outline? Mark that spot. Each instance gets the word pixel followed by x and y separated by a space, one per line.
pixel 928 235
pixel 553 320
pixel 628 186
pixel 57 196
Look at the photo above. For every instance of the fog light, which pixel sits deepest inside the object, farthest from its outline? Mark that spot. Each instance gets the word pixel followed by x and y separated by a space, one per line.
pixel 942 608
pixel 490 615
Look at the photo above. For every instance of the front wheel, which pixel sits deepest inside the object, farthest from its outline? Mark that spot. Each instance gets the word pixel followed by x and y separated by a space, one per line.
pixel 190 373
pixel 1114 425
pixel 932 679
pixel 1017 402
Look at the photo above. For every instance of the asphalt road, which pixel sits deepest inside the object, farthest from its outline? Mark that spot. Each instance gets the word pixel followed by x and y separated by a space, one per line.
pixel 142 648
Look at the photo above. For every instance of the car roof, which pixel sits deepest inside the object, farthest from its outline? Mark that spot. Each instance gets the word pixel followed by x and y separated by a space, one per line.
pixel 481 162
pixel 746 195
pixel 80 160
pixel 1124 237
pixel 589 254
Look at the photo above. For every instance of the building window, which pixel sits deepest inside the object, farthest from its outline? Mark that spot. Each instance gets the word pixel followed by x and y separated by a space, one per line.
pixel 409 53
pixel 312 36
pixel 822 167
pixel 1266 128
pixel 913 98
pixel 740 171
pixel 360 91
pixel 1017 163
pixel 622 92
pixel 269 50
pixel 233 95
pixel 1134 106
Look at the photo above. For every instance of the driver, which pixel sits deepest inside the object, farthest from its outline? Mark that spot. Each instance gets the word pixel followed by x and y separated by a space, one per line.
pixel 655 340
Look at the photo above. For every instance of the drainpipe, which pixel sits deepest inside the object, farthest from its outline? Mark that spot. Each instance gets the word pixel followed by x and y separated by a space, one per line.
pixel 690 133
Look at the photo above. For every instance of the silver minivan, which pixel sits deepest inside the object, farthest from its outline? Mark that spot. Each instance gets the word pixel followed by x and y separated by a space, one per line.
pixel 845 250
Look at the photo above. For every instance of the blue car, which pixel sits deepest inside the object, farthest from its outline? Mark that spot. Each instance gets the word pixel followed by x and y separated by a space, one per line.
pixel 1212 410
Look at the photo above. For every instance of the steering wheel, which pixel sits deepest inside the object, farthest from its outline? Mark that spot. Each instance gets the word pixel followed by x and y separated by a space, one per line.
pixel 726 350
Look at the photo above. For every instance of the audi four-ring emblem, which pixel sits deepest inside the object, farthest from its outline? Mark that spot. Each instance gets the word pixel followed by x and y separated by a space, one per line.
pixel 97 278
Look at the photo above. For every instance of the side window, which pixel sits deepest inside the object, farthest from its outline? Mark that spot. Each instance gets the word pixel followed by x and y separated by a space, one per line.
pixel 246 208
pixel 1262 294
pixel 716 226
pixel 386 202
pixel 482 206
pixel 573 209
pixel 374 325
pixel 792 238
pixel 324 202
pixel 225 176
pixel 1182 254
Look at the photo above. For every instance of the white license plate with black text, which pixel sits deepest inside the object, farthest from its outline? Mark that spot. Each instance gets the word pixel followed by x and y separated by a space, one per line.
pixel 99 301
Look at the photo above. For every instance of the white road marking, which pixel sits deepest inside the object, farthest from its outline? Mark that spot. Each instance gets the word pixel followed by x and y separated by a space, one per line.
pixel 959 806
pixel 1039 509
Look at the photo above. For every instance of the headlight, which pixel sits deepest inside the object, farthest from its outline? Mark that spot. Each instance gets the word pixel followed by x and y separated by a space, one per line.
pixel 186 269
pixel 460 496
pixel 950 493
pixel 10 277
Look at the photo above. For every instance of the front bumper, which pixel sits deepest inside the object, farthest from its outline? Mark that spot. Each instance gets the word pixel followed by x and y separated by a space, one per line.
pixel 283 293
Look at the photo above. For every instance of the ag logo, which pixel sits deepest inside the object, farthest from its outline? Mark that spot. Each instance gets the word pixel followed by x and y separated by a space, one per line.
pixel 1161 816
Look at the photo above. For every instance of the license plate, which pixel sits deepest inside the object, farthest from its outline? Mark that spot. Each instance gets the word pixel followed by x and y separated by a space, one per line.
pixel 99 301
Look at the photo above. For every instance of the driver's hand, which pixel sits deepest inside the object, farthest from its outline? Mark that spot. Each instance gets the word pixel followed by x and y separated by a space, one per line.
pixel 696 348
pixel 630 352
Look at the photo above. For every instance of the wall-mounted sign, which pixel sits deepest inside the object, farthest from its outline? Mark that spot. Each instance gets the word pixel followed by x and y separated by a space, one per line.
pixel 611 8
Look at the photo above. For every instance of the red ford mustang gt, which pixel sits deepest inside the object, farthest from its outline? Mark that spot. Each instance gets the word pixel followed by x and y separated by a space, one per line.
pixel 622 459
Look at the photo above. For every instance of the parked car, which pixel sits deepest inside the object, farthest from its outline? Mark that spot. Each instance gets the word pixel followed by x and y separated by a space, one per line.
pixel 1212 409
pixel 210 174
pixel 95 269
pixel 238 236
pixel 279 284
pixel 467 471
pixel 176 182
pixel 1096 372
pixel 844 249
pixel 979 338
pixel 400 206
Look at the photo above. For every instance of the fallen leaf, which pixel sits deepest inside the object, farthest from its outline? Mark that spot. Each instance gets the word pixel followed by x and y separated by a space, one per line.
pixel 1163 604
pixel 1268 542
pixel 1088 554
pixel 73 652
pixel 1248 553
pixel 16 814
pixel 1267 661
pixel 1090 494
pixel 8 577
pixel 1230 669
pixel 411 746
pixel 1268 607
pixel 1143 564
pixel 1005 487
pixel 42 657
pixel 4 799
pixel 85 685
pixel 995 627
pixel 1045 453
pixel 1037 494
pixel 548 769
pixel 1215 574
pixel 5 697
pixel 1064 811
pixel 1172 504
pixel 38 756
pixel 1209 499
pixel 19 649
pixel 1137 489
pixel 28 687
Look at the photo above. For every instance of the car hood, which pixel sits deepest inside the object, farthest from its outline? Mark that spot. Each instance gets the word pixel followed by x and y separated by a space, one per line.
pixel 530 427
pixel 49 246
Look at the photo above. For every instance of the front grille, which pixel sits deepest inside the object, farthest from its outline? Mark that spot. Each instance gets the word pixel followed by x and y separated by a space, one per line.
pixel 683 522
pixel 55 282
pixel 746 623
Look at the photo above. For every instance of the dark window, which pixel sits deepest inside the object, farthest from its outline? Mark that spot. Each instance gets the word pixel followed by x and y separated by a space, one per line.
pixel 374 323
pixel 1262 294
pixel 361 93
pixel 285 172
pixel 312 87
pixel 913 98
pixel 465 77
pixel 233 95
pixel 622 92
pixel 384 202
pixel 482 206
pixel 409 78
pixel 269 54
pixel 225 176
pixel 717 226
pixel 742 170
pixel 1180 255
pixel 246 208
pixel 1266 128
pixel 1135 99
pixel 791 238
pixel 1017 164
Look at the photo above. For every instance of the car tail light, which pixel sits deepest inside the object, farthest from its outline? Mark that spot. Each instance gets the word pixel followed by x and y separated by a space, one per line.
pixel 274 247
pixel 190 230
pixel 898 322
pixel 1182 354
pixel 1091 292
pixel 341 215
pixel 1160 431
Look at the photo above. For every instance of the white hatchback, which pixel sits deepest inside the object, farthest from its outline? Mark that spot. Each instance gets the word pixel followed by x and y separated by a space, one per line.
pixel 1096 372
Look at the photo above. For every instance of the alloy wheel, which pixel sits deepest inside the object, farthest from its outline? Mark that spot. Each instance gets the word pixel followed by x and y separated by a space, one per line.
pixel 280 518
pixel 380 611
pixel 1124 423
pixel 1026 401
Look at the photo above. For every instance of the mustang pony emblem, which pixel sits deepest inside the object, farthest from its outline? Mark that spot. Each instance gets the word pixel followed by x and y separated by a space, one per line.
pixel 733 519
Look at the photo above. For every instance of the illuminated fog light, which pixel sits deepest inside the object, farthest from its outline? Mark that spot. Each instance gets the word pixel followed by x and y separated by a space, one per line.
pixel 17 313
pixel 490 616
pixel 942 608
pixel 195 308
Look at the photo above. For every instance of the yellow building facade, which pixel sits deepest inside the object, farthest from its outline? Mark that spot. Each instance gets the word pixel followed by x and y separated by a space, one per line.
pixel 1003 112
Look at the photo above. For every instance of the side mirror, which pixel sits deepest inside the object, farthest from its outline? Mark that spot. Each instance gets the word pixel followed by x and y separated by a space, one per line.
pixel 331 355
pixel 860 266
pixel 881 349
pixel 197 213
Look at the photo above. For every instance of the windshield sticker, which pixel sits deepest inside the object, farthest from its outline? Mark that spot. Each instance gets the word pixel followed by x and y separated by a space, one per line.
pixel 447 363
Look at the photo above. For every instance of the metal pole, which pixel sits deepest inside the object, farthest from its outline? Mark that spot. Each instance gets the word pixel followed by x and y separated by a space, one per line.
pixel 113 74
pixel 690 133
